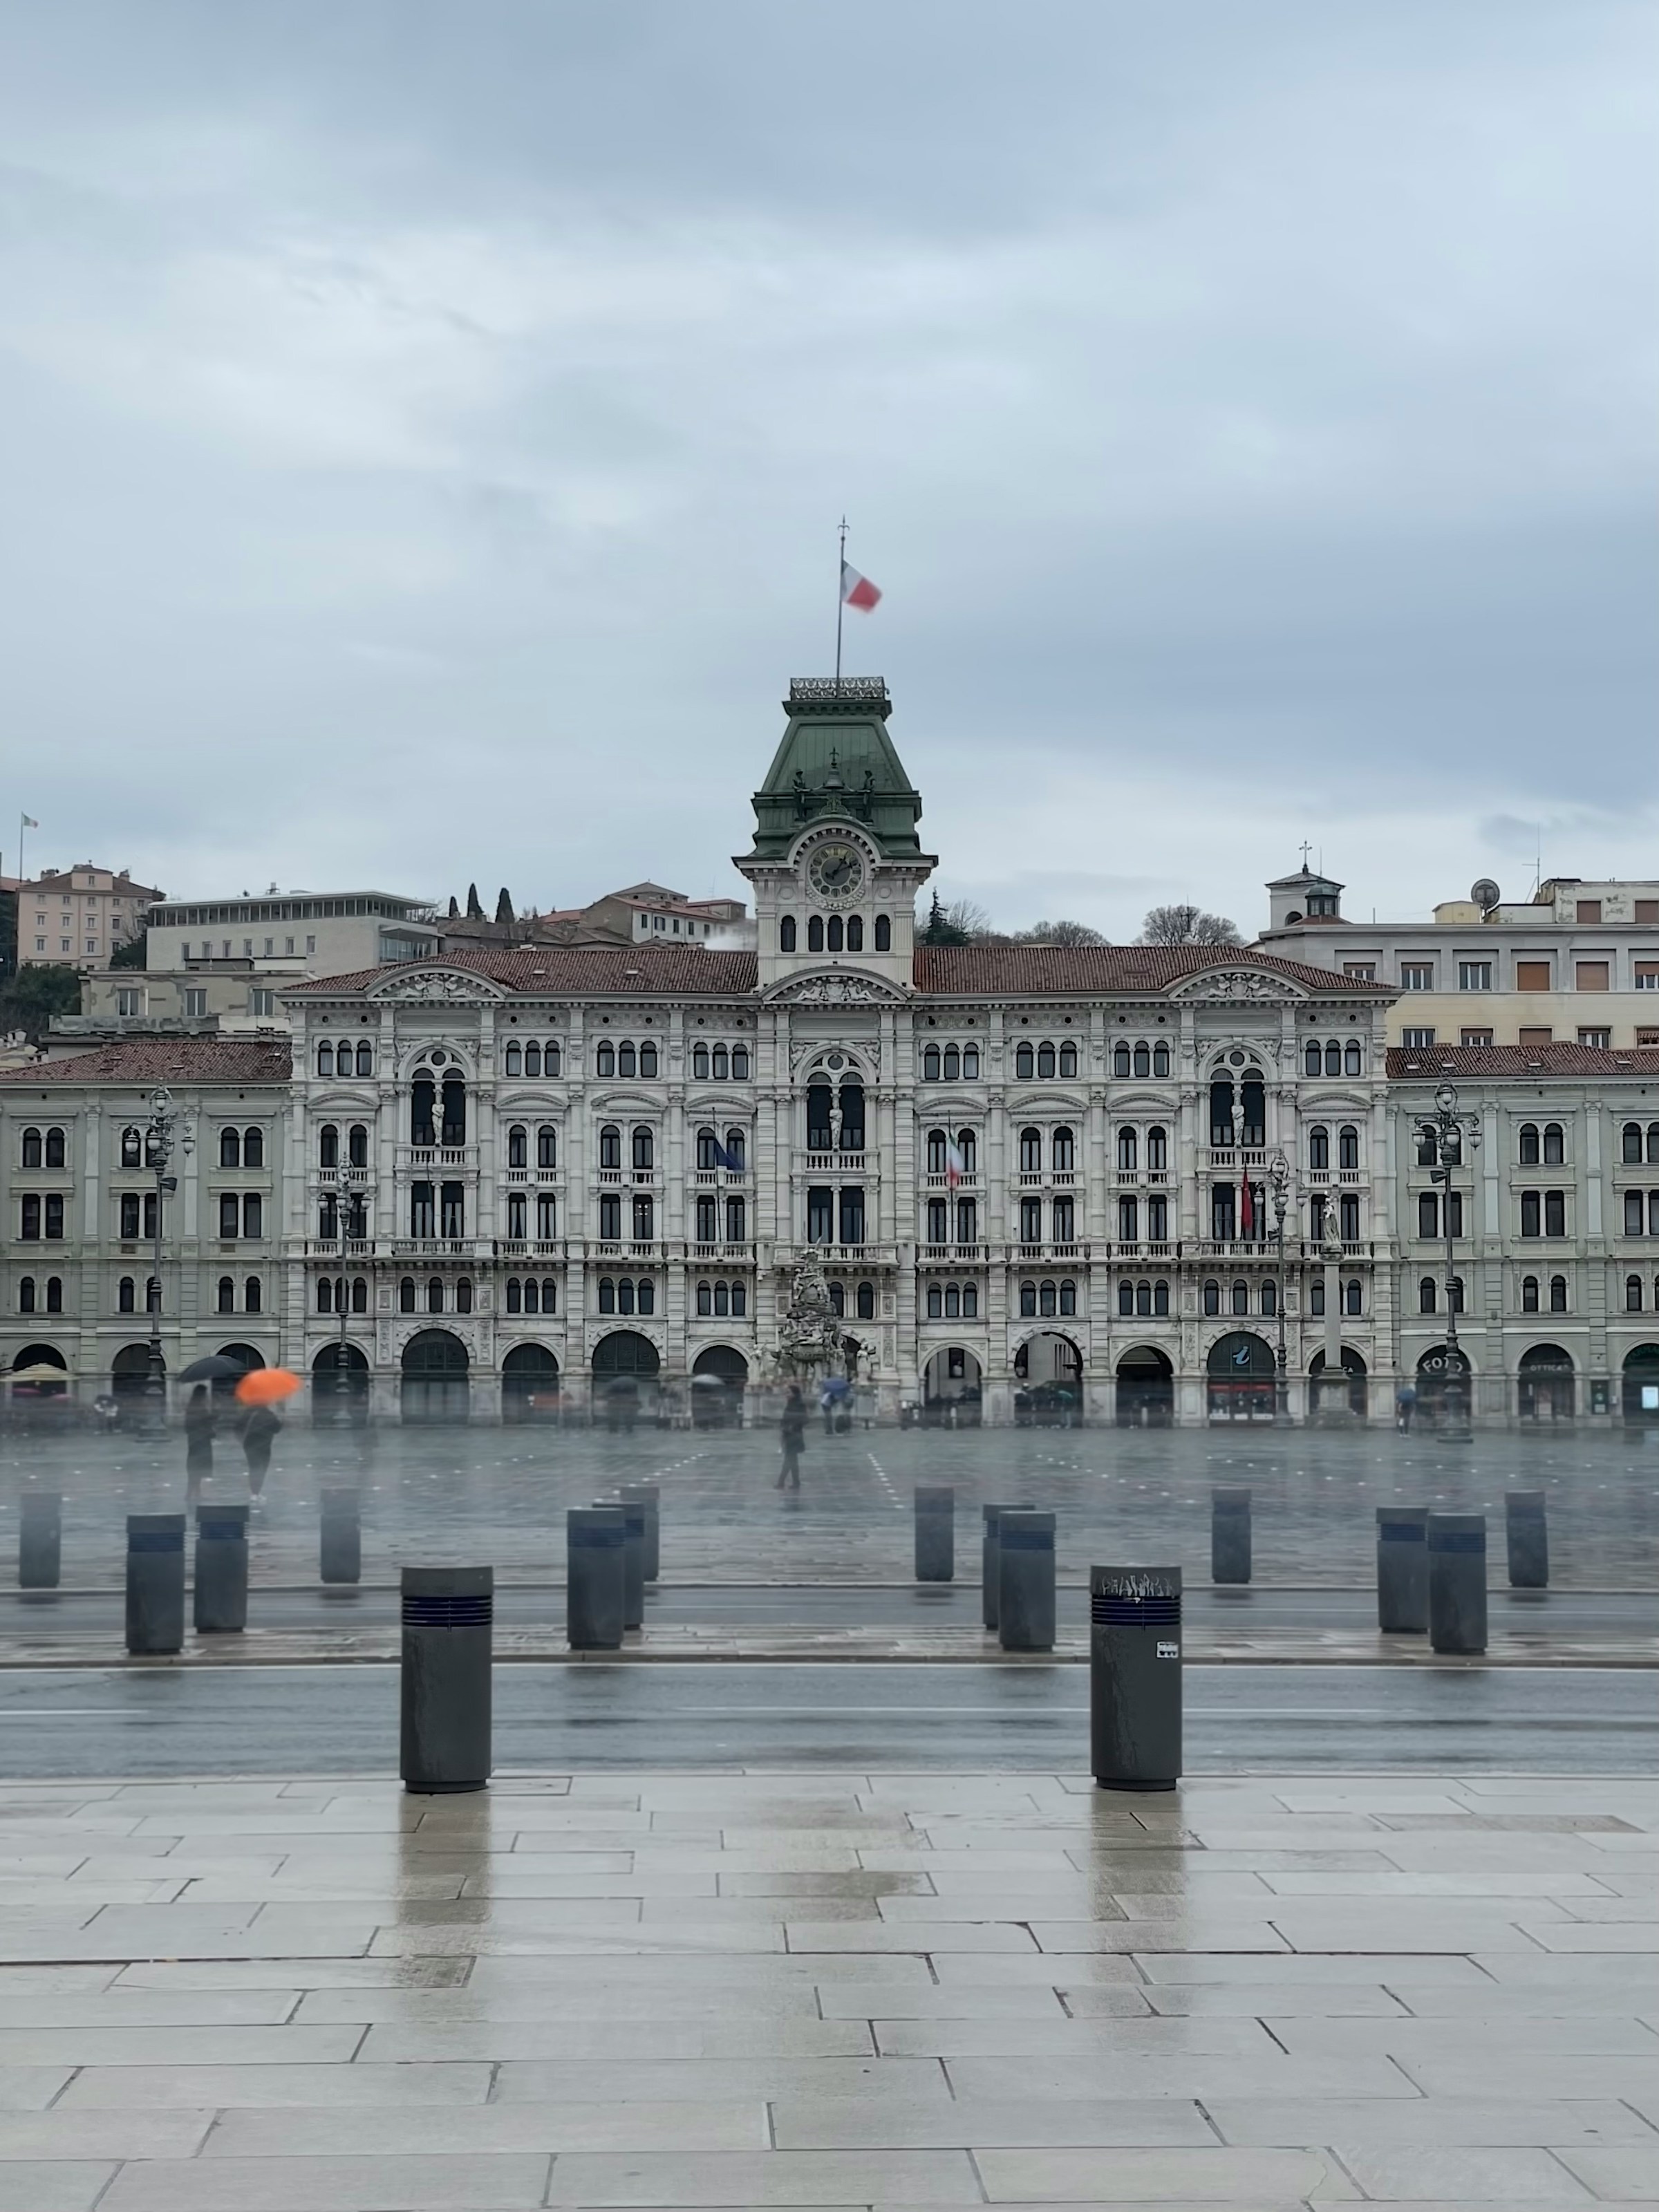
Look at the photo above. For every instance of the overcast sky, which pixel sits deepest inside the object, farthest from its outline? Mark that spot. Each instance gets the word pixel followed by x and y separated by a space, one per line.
pixel 424 427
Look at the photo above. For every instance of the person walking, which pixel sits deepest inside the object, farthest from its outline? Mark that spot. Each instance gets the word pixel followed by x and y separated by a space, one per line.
pixel 198 1438
pixel 793 1428
pixel 259 1432
pixel 1405 1406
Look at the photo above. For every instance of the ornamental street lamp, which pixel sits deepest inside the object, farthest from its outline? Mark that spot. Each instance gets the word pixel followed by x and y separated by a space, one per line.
pixel 1278 1177
pixel 1443 1134
pixel 347 1200
pixel 163 1133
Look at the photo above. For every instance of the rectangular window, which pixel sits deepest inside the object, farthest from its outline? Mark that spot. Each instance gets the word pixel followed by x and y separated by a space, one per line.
pixel 1348 1209
pixel 129 1003
pixel 253 1215
pixel 1591 974
pixel 452 1209
pixel 1128 1220
pixel 1222 1202
pixel 229 1215
pixel 938 1218
pixel 1537 1036
pixel 421 1216
pixel 261 1004
pixel 1532 975
pixel 1030 1221
pixel 517 1214
pixel 1417 976
pixel 1555 1213
pixel 611 1218
pixel 706 1212
pixel 1531 1214
pixel 1417 1040
pixel 1475 1036
pixel 195 1003
pixel 151 1223
pixel 852 1214
pixel 128 1216
pixel 1158 1220
pixel 1598 1040
pixel 1064 1221
pixel 1588 911
pixel 1475 974
pixel 737 1220
pixel 1647 912
pixel 644 1216
pixel 547 1215
pixel 1363 971
pixel 1647 976
pixel 1648 1037
pixel 820 1214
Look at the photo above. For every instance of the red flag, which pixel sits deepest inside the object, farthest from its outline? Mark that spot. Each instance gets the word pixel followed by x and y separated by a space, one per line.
pixel 1246 1211
pixel 858 591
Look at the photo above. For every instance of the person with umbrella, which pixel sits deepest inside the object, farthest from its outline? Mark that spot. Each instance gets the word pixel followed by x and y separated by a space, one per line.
pixel 260 1428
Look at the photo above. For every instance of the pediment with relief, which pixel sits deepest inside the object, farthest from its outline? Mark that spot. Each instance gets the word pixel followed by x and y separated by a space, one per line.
pixel 438 987
pixel 837 988
pixel 1239 986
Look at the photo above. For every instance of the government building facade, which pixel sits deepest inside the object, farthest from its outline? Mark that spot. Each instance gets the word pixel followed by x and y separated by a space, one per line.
pixel 1142 1183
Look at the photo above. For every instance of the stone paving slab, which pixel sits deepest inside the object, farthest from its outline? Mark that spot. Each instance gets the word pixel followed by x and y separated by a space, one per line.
pixel 1355 1991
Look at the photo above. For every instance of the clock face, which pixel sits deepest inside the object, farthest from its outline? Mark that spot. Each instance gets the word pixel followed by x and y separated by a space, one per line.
pixel 836 872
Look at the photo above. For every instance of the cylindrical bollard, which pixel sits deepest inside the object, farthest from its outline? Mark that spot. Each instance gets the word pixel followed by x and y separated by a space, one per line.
pixel 596 1538
pixel 341 1557
pixel 1529 1539
pixel 155 1583
pixel 1230 1534
pixel 40 1538
pixel 990 1563
pixel 449 1615
pixel 936 1532
pixel 221 1569
pixel 1135 1677
pixel 649 1496
pixel 633 1515
pixel 1025 1604
pixel 1402 1570
pixel 1457 1581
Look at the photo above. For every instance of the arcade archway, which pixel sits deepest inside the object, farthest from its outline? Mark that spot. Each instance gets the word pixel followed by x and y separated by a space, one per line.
pixel 952 1388
pixel 1641 1385
pixel 530 1384
pixel 338 1394
pixel 1145 1389
pixel 128 1371
pixel 1443 1383
pixel 719 1376
pixel 1545 1387
pixel 625 1370
pixel 1240 1373
pixel 1049 1375
pixel 36 1356
pixel 1322 1392
pixel 435 1385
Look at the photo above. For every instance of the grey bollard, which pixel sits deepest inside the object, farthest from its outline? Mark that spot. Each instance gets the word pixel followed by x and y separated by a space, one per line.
pixel 1230 1535
pixel 1135 1677
pixel 341 1550
pixel 1025 1603
pixel 990 1563
pixel 448 1618
pixel 633 1559
pixel 1402 1570
pixel 40 1538
pixel 1528 1535
pixel 596 1538
pixel 936 1533
pixel 221 1569
pixel 1457 1581
pixel 155 1583
pixel 649 1495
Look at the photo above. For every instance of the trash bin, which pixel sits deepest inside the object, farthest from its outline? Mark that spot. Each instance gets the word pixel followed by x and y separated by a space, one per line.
pixel 341 1551
pixel 596 1538
pixel 40 1538
pixel 649 1496
pixel 936 1532
pixel 1457 1581
pixel 1230 1534
pixel 155 1583
pixel 221 1606
pixel 1026 1603
pixel 1135 1677
pixel 1528 1535
pixel 448 1636
pixel 990 1564
pixel 1402 1570
pixel 633 1559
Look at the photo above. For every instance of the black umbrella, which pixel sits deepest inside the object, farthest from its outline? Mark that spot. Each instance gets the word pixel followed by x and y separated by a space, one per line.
pixel 216 1368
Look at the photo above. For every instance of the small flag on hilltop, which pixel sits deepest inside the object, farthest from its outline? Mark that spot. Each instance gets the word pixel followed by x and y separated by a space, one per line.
pixel 858 591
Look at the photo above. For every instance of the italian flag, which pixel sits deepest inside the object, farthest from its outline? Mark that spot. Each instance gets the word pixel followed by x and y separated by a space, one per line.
pixel 955 1168
pixel 858 591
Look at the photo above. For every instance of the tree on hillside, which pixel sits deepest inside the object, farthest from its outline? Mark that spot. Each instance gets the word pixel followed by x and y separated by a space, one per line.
pixel 1058 932
pixel 504 907
pixel 940 929
pixel 33 996
pixel 1188 925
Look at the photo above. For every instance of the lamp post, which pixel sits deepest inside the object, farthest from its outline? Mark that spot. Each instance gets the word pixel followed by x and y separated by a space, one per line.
pixel 162 1134
pixel 1278 1177
pixel 346 1196
pixel 1444 1134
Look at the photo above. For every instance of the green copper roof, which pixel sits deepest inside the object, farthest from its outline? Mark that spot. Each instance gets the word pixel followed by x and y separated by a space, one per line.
pixel 837 763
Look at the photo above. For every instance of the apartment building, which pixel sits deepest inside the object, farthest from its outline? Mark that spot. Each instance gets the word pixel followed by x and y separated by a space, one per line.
pixel 79 917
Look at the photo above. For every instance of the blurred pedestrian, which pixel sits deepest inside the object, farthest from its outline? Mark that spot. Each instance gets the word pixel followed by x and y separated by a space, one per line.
pixel 198 1438
pixel 792 1429
pixel 1405 1405
pixel 259 1431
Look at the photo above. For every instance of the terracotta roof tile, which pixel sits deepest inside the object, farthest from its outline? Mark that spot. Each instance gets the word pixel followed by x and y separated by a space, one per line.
pixel 964 971
pixel 1425 1063
pixel 632 972
pixel 140 1060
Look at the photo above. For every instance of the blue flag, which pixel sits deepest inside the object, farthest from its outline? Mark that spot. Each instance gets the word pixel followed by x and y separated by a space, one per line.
pixel 724 1159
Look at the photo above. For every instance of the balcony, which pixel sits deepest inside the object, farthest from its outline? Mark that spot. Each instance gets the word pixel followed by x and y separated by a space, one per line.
pixel 829 1162
pixel 454 1157
pixel 970 1181
pixel 440 1248
pixel 652 1253
pixel 973 1256
pixel 729 1255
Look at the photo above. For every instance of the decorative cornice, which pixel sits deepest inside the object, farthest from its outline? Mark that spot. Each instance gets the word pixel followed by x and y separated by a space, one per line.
pixel 446 987
pixel 836 988
pixel 1239 986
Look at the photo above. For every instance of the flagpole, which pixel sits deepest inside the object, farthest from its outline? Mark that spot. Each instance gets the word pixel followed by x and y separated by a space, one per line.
pixel 840 597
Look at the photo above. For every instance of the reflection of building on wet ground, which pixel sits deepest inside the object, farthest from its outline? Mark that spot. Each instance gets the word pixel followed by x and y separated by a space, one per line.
pixel 554 1181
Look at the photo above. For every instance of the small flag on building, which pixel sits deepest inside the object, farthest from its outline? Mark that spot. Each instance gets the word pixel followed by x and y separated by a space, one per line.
pixel 29 822
pixel 1246 1211
pixel 858 591
pixel 723 1158
pixel 955 1166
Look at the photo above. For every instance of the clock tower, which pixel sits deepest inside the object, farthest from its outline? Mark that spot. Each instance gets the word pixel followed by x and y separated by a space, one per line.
pixel 836 861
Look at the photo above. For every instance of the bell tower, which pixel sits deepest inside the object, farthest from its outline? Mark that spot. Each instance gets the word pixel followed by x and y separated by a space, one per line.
pixel 837 862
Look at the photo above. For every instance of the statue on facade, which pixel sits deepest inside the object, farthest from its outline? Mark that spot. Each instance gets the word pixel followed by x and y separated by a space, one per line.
pixel 809 1330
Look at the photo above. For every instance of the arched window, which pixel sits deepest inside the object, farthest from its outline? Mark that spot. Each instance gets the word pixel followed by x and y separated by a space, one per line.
pixel 1653 1143
pixel 253 1148
pixel 867 1301
pixel 971 1064
pixel 607 1295
pixel 1161 1298
pixel 1125 1300
pixel 1161 1059
pixel 1128 1145
pixel 1063 1151
pixel 833 934
pixel 1333 1058
pixel 1241 1297
pixel 930 1064
pixel 31 1148
pixel 328 1145
pixel 935 1302
pixel 700 1063
pixel 1554 1150
pixel 787 933
pixel 1143 1299
pixel 884 934
pixel 739 1063
pixel 1046 1302
pixel 854 933
pixel 126 1293
pixel 1024 1063
pixel 953 1064
pixel 626 1061
pixel 517 1146
pixel 643 1148
pixel 647 1296
pixel 406 1295
pixel 227 1294
pixel 1158 1150
pixel 514 1066
pixel 610 1145
pixel 230 1148
pixel 515 1295
pixel 1353 1298
pixel 604 1060
pixel 26 1295
pixel 1319 1146
pixel 722 1063
pixel 705 1299
pixel 1632 1294
pixel 325 1057
pixel 131 1149
pixel 464 1295
pixel 1143 1061
pixel 1353 1059
pixel 533 1060
pixel 815 934
pixel 737 1150
pixel 1045 1063
pixel 1031 1151
pixel 723 1299
pixel 1028 1296
pixel 1312 1058
pixel 1455 1298
pixel 1120 1059
pixel 434 1295
pixel 1213 1298
pixel 1558 1294
pixel 936 1148
pixel 1221 1111
pixel 706 1160
pixel 625 1295
pixel 1270 1297
pixel 1527 1153
pixel 1069 1058
pixel 357 1146
pixel 1348 1146
pixel 325 1294
pixel 1428 1293
pixel 953 1302
pixel 1630 1145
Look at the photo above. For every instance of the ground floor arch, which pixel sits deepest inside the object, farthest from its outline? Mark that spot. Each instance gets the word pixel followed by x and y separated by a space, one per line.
pixel 128 1371
pixel 1349 1394
pixel 246 1355
pixel 1641 1384
pixel 953 1388
pixel 625 1368
pixel 1240 1373
pixel 1444 1383
pixel 337 1394
pixel 1048 1382
pixel 719 1376
pixel 1545 1384
pixel 530 1384
pixel 1145 1389
pixel 435 1378
pixel 36 1356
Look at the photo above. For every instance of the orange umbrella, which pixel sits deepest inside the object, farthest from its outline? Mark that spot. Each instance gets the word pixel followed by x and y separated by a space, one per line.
pixel 267 1386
